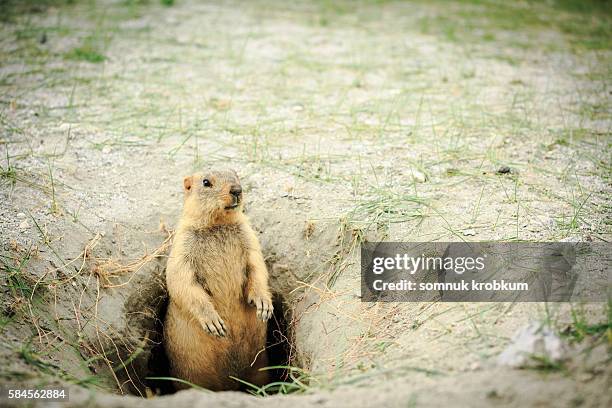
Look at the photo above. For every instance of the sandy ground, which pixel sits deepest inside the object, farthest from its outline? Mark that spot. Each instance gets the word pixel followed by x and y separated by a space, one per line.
pixel 346 122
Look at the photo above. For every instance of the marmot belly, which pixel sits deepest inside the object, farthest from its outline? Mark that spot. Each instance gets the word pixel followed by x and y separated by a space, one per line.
pixel 211 361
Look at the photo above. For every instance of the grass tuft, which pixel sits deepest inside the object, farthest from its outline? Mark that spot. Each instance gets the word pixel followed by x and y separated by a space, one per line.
pixel 86 53
pixel 580 329
pixel 300 380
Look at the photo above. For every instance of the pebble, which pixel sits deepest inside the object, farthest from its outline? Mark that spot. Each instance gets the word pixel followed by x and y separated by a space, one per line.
pixel 24 225
pixel 21 215
pixel 469 232
pixel 504 170
pixel 418 176
pixel 533 340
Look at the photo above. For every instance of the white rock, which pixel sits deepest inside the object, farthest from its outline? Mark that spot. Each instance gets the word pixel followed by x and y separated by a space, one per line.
pixel 418 176
pixel 469 232
pixel 24 225
pixel 530 345
pixel 21 215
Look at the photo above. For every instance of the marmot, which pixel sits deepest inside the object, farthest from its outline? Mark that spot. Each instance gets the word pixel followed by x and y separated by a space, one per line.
pixel 215 326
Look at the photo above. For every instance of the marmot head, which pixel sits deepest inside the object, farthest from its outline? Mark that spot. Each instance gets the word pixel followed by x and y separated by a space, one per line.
pixel 213 196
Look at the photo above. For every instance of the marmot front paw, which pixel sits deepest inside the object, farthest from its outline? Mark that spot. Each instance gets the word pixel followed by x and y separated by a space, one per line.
pixel 263 303
pixel 213 324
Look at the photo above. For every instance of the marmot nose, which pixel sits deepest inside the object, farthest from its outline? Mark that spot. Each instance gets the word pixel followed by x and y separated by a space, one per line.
pixel 236 190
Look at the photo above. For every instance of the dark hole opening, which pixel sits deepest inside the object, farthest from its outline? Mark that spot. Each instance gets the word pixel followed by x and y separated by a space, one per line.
pixel 278 345
pixel 158 364
pixel 278 342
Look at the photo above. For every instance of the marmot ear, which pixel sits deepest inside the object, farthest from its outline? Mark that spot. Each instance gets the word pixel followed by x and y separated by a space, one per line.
pixel 187 183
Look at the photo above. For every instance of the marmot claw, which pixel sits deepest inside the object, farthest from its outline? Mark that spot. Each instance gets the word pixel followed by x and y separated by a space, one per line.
pixel 263 305
pixel 215 326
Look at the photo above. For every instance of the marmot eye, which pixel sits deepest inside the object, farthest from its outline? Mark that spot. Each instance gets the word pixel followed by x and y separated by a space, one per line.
pixel 206 183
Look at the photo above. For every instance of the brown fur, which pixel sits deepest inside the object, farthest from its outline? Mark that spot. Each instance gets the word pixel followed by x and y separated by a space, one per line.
pixel 215 326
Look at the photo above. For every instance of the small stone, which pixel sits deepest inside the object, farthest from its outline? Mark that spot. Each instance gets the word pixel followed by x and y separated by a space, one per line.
pixel 451 171
pixel 24 225
pixel 21 215
pixel 469 232
pixel 493 394
pixel 418 176
pixel 504 170
pixel 106 149
pixel 531 345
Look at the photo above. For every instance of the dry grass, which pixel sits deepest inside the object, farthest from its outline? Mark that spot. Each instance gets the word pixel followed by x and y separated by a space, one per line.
pixel 109 270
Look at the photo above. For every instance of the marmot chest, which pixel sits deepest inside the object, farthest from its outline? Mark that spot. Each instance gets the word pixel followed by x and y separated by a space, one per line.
pixel 219 259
